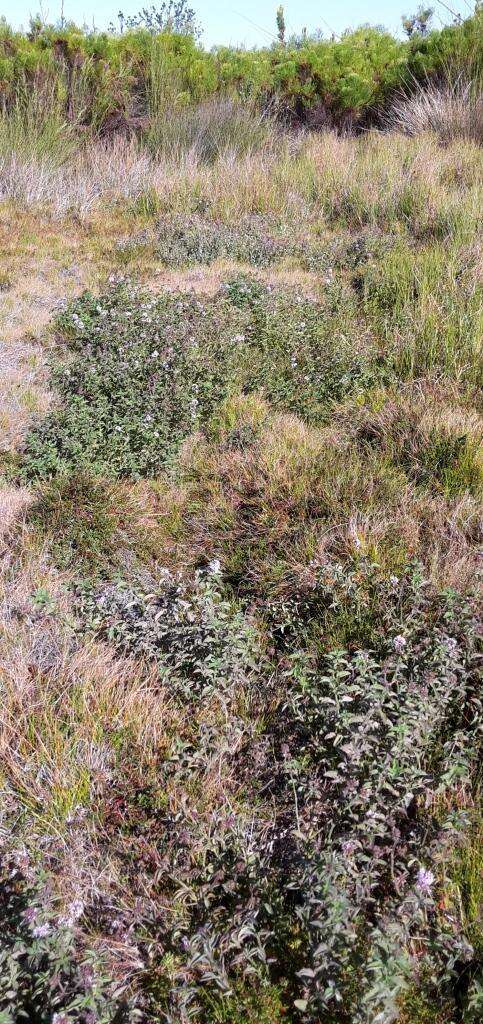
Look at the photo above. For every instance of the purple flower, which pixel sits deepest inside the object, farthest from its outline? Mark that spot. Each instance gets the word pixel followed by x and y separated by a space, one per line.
pixel 87 975
pixel 75 910
pixel 41 930
pixel 399 643
pixel 425 880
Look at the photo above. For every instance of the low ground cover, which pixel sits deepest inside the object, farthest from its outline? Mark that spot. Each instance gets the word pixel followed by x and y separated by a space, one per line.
pixel 241 719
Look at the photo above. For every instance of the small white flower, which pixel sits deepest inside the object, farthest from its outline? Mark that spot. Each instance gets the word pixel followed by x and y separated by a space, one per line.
pixel 238 339
pixel 76 909
pixel 399 643
pixel 394 580
pixel 214 566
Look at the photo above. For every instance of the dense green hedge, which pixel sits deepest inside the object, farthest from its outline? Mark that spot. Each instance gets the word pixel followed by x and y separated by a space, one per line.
pixel 95 75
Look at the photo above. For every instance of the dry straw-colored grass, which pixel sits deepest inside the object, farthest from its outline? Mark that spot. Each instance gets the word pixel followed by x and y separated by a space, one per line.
pixel 362 180
pixel 453 111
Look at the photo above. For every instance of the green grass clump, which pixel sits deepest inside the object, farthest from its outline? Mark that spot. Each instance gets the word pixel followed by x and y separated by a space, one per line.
pixel 464 879
pixel 210 129
pixel 454 461
pixel 427 305
pixel 416 1007
pixel 80 515
pixel 261 1005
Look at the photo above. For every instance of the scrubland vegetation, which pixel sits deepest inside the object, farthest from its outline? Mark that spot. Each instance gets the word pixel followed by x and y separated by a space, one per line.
pixel 240 488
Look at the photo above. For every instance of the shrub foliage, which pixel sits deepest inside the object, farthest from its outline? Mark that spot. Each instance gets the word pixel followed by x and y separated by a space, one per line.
pixel 105 79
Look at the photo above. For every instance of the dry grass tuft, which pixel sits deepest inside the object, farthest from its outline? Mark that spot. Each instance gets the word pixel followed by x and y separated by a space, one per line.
pixel 453 111
pixel 298 495
pixel 108 171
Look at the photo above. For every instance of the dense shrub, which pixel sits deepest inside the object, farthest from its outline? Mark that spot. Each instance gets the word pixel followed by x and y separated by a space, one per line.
pixel 182 241
pixel 111 80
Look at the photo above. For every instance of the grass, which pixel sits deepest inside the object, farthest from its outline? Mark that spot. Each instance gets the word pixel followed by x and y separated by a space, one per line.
pixel 217 127
pixel 238 582
pixel 463 883
pixel 452 111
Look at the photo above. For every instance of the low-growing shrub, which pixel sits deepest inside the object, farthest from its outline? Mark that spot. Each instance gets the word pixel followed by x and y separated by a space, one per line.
pixel 45 976
pixel 183 241
pixel 144 375
pixel 324 878
pixel 198 639
pixel 147 372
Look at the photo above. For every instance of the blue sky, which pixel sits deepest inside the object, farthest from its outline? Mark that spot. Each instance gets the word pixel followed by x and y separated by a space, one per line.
pixel 241 21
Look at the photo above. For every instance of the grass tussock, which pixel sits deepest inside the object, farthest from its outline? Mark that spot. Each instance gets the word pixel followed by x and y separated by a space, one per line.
pixel 218 127
pixel 454 111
